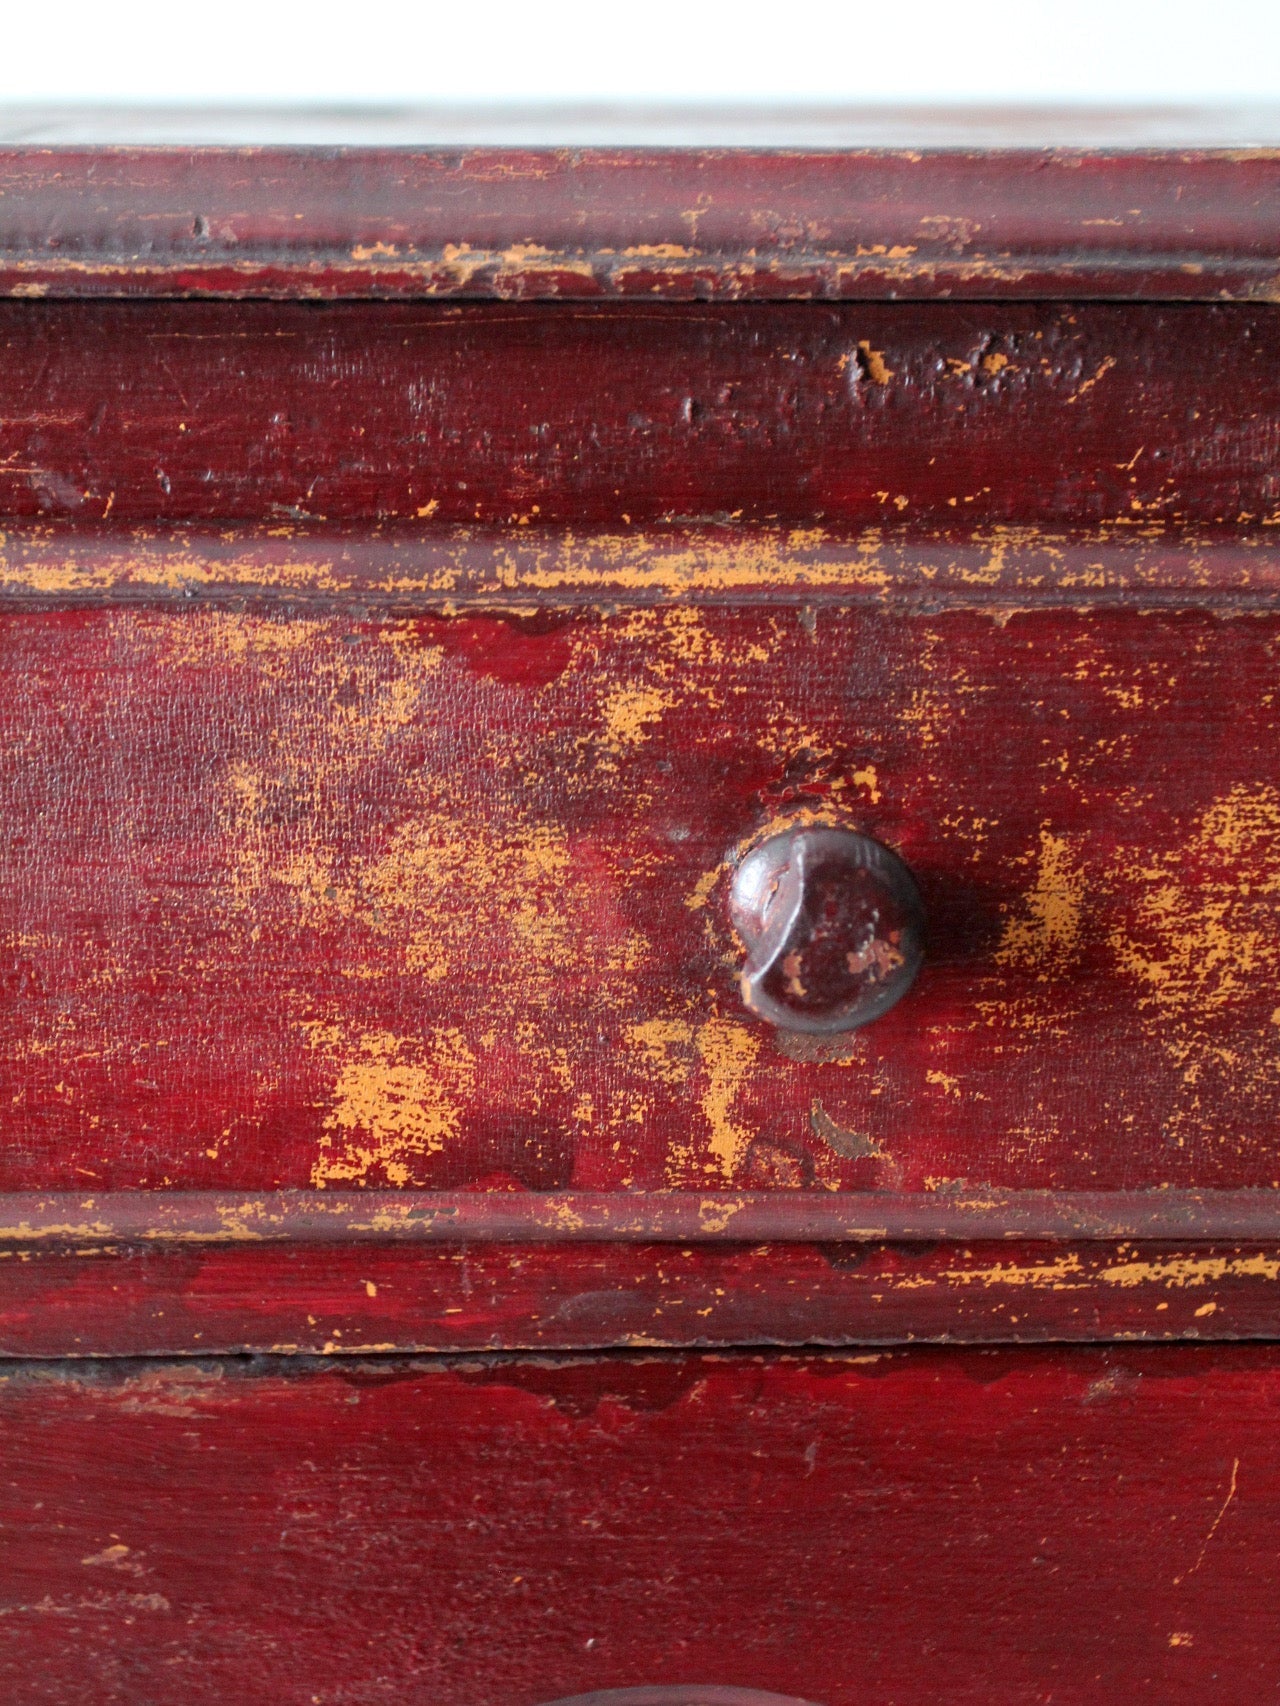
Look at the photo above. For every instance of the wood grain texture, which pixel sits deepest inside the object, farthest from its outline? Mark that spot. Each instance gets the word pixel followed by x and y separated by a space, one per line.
pixel 438 903
pixel 655 223
pixel 623 419
pixel 1083 1526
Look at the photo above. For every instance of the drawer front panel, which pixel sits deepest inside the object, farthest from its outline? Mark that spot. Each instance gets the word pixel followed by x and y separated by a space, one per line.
pixel 987 1528
pixel 440 903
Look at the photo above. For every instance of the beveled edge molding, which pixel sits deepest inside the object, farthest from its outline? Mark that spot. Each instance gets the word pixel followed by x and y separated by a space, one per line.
pixel 655 223
pixel 403 568
pixel 577 1217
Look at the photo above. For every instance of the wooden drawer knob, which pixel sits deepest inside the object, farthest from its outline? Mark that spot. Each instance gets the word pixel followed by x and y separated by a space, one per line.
pixel 833 926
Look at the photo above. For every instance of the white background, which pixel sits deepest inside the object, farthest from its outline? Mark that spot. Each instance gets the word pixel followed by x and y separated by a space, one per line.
pixel 787 50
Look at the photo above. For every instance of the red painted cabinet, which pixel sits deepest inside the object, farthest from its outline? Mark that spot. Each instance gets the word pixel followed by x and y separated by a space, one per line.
pixel 500 676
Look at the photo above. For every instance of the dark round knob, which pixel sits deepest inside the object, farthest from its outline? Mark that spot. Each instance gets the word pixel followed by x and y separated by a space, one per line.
pixel 833 927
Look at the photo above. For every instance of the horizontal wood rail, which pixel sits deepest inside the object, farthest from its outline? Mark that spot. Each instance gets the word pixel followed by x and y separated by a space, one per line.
pixel 400 568
pixel 145 1217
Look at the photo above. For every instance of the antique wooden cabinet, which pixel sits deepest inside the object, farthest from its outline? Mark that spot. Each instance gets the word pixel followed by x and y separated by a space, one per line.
pixel 640 924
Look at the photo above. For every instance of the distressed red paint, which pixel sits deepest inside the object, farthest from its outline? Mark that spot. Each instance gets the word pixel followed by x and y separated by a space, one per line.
pixel 621 417
pixel 670 223
pixel 440 902
pixel 200 1298
pixel 386 690
pixel 1075 1524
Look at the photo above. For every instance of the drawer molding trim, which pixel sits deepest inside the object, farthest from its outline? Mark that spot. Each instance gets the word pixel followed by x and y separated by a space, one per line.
pixel 202 1217
pixel 459 569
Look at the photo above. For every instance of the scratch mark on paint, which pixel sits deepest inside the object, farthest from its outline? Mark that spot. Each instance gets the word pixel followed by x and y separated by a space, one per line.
pixel 1104 367
pixel 1216 1523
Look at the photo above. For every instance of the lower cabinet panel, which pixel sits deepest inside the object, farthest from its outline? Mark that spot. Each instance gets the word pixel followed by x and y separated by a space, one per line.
pixel 1074 1526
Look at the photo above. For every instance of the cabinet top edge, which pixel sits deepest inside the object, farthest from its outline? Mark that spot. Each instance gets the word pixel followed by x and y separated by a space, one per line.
pixel 877 204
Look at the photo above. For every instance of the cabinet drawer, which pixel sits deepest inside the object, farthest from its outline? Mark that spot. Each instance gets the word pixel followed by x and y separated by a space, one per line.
pixel 1096 1526
pixel 438 903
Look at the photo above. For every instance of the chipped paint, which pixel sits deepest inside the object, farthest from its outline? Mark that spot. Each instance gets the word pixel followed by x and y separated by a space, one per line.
pixel 481 944
pixel 666 1047
pixel 872 364
pixel 1200 941
pixel 1060 1273
pixel 481 565
pixel 1178 1272
pixel 728 1052
pixel 717 1214
pixel 631 713
pixel 1045 938
pixel 397 1099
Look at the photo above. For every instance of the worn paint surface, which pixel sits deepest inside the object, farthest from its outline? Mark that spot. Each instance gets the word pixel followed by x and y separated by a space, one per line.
pixel 384 694
pixel 619 419
pixel 316 901
pixel 1154 565
pixel 682 223
pixel 1087 1526
pixel 105 1299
